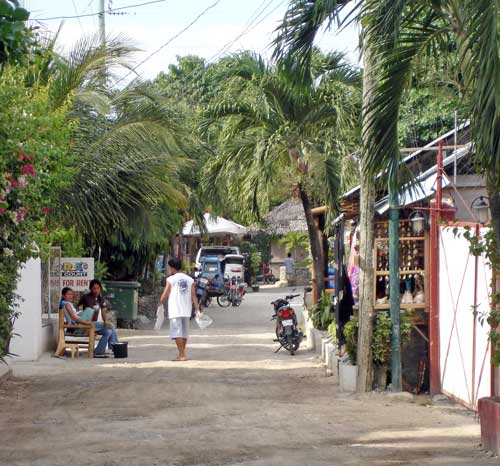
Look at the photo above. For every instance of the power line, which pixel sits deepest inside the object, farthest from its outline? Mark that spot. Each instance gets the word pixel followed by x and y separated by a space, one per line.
pixel 76 12
pixel 169 41
pixel 250 26
pixel 111 10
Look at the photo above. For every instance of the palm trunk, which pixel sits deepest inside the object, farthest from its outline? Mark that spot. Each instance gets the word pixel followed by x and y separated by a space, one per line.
pixel 315 242
pixel 494 197
pixel 366 277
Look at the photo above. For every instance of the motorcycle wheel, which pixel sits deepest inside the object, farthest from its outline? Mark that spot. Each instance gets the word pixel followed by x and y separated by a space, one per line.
pixel 290 345
pixel 223 301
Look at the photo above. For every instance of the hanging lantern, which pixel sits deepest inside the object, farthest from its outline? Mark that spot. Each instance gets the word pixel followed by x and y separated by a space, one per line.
pixel 481 208
pixel 418 221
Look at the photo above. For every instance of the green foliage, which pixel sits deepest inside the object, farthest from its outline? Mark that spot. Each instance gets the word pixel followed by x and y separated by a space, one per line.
pixel 15 37
pixel 332 330
pixel 322 314
pixel 34 140
pixel 271 135
pixel 101 270
pixel 255 260
pixel 351 338
pixel 260 242
pixel 295 240
pixel 382 334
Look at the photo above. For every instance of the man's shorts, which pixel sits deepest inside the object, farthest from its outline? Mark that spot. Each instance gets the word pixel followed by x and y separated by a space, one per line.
pixel 179 327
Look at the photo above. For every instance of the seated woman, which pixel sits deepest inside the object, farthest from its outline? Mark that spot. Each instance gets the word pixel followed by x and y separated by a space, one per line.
pixel 95 301
pixel 71 315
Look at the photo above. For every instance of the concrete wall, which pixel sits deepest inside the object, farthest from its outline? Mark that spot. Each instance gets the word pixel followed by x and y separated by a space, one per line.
pixel 279 254
pixel 470 187
pixel 34 337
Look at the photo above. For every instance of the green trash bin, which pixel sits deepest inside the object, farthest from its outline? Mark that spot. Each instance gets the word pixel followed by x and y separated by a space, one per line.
pixel 123 298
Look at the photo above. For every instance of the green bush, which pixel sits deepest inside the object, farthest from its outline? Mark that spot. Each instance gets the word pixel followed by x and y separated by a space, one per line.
pixel 322 313
pixel 351 338
pixel 382 334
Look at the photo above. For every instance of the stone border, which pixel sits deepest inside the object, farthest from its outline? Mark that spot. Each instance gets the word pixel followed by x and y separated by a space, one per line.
pixel 5 373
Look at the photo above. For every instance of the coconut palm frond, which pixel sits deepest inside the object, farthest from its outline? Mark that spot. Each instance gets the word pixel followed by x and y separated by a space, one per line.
pixel 479 48
pixel 296 34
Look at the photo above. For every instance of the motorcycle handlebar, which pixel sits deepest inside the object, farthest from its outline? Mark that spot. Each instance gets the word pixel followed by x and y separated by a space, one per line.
pixel 293 296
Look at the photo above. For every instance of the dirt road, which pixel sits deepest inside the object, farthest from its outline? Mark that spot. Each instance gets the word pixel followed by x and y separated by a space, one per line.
pixel 234 403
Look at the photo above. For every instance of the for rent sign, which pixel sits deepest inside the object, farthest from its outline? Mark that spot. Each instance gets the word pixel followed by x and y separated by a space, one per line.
pixel 76 272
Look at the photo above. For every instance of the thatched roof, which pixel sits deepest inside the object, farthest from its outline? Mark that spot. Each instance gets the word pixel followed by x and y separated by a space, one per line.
pixel 285 218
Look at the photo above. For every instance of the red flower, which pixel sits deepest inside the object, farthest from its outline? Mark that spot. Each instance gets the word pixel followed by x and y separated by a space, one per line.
pixel 46 210
pixel 27 208
pixel 2 210
pixel 15 184
pixel 21 156
pixel 29 170
pixel 45 230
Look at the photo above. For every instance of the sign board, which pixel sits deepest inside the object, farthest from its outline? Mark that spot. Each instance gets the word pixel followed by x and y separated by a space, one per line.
pixel 77 272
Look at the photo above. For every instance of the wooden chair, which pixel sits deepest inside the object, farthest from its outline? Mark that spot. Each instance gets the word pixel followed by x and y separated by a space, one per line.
pixel 71 341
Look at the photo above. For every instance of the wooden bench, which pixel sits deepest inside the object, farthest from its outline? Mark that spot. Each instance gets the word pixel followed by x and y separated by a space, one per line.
pixel 71 341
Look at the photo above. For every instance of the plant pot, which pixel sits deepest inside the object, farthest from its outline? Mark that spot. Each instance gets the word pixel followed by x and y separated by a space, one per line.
pixel 255 288
pixel 380 377
pixel 489 415
pixel 348 375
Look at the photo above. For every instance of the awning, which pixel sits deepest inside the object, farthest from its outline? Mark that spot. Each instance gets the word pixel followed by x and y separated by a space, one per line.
pixel 215 226
pixel 425 185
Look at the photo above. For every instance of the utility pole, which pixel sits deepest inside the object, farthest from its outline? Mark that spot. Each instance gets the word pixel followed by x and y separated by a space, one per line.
pixel 102 23
pixel 102 37
pixel 394 286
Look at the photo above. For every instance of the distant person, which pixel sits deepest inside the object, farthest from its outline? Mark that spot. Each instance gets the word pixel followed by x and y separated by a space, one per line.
pixel 181 293
pixel 267 272
pixel 290 269
pixel 94 300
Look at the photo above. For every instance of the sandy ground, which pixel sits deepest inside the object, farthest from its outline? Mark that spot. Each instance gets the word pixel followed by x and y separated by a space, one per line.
pixel 234 403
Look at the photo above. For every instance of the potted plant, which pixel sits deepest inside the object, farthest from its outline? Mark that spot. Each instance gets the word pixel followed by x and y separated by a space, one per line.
pixel 348 370
pixel 381 345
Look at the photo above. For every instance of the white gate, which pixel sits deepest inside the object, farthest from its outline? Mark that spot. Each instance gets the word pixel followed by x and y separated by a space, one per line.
pixel 464 297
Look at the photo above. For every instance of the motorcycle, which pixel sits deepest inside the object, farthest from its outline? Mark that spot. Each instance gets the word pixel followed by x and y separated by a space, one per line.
pixel 201 285
pixel 287 333
pixel 235 289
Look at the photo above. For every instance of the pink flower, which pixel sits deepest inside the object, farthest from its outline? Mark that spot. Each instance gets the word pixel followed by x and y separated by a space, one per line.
pixel 2 210
pixel 29 170
pixel 20 215
pixel 45 210
pixel 45 230
pixel 23 182
pixel 15 184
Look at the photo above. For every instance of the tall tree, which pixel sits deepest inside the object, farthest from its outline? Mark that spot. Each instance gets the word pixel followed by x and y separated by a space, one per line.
pixel 294 48
pixel 274 133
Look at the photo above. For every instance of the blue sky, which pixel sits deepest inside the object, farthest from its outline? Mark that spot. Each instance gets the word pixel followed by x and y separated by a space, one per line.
pixel 150 26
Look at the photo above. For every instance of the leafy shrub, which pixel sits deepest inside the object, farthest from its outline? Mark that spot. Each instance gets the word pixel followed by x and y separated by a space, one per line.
pixel 322 313
pixel 351 338
pixel 382 335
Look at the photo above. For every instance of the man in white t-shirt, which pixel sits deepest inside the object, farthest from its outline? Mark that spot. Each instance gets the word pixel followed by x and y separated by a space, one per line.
pixel 181 293
pixel 290 269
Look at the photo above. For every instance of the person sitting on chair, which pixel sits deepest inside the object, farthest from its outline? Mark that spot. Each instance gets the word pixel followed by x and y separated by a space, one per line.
pixel 94 299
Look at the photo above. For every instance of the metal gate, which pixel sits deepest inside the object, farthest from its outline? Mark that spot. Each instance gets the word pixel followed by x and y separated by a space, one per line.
pixel 51 284
pixel 464 301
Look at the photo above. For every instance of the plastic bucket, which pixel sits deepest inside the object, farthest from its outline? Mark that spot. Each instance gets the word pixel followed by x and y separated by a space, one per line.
pixel 120 349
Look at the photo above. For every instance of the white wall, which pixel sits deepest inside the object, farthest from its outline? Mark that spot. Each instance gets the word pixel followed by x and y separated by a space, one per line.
pixel 465 354
pixel 33 338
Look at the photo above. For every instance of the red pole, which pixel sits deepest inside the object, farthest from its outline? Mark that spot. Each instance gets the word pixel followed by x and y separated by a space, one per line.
pixel 434 353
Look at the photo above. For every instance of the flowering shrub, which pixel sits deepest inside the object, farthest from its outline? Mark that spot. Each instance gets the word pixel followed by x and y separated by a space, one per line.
pixel 34 166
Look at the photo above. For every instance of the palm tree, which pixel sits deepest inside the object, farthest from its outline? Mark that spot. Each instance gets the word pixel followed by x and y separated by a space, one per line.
pixel 294 51
pixel 129 153
pixel 295 241
pixel 273 133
